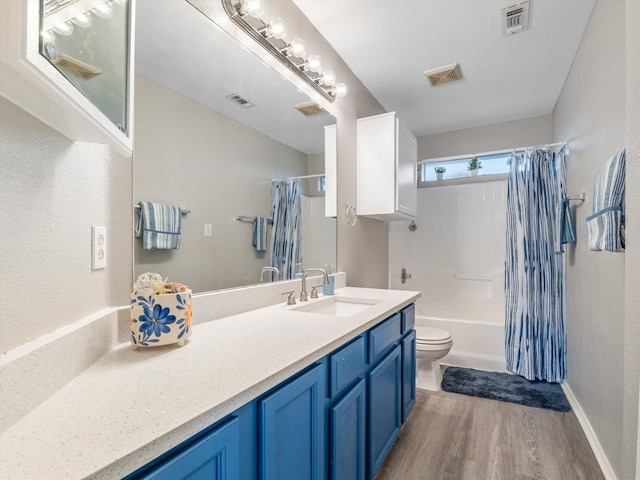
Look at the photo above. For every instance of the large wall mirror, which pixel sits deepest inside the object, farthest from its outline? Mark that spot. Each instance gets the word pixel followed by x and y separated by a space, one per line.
pixel 213 126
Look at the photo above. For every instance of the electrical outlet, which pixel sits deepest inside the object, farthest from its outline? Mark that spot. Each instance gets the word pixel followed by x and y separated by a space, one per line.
pixel 98 247
pixel 208 229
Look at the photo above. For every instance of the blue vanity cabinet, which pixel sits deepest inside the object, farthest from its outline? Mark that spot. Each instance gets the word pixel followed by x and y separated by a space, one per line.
pixel 384 417
pixel 215 456
pixel 347 435
pixel 291 425
pixel 408 374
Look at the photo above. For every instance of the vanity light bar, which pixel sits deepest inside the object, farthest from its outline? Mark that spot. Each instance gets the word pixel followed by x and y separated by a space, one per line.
pixel 306 70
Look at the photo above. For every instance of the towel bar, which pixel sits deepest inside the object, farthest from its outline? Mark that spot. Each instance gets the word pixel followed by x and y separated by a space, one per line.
pixel 578 198
pixel 184 211
pixel 244 218
pixel 471 276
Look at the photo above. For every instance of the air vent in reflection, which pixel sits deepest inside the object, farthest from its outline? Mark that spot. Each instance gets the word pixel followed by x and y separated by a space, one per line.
pixel 75 67
pixel 309 108
pixel 441 75
pixel 515 18
pixel 237 99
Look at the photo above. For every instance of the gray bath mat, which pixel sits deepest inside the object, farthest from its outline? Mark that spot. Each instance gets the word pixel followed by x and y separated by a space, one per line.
pixel 505 387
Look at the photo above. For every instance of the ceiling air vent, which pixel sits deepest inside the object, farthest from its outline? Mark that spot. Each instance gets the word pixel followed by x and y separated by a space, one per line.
pixel 441 75
pixel 243 102
pixel 309 108
pixel 515 18
pixel 75 66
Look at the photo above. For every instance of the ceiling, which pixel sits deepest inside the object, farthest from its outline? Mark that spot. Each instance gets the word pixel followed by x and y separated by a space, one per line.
pixel 388 44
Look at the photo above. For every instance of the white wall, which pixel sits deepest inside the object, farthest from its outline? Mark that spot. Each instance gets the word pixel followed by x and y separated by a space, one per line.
pixel 318 235
pixel 191 156
pixel 51 192
pixel 590 115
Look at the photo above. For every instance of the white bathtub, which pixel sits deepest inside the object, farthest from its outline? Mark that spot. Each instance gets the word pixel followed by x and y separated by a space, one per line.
pixel 477 327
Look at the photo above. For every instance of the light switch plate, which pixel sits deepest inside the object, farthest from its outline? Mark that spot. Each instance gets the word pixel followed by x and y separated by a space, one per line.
pixel 208 229
pixel 98 247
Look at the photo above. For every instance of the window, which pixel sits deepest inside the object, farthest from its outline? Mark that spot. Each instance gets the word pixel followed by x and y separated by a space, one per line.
pixel 492 164
pixel 322 183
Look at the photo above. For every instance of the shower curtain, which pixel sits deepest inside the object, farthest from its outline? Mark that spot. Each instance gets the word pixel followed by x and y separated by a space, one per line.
pixel 286 233
pixel 535 340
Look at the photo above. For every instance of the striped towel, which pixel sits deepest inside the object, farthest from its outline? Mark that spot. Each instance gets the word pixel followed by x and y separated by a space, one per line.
pixel 605 228
pixel 567 232
pixel 259 238
pixel 159 225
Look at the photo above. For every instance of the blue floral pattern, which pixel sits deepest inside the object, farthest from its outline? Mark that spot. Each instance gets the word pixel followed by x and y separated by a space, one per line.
pixel 156 320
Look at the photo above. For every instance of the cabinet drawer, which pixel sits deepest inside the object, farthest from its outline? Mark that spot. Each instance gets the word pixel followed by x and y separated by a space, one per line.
pixel 408 318
pixel 383 336
pixel 345 365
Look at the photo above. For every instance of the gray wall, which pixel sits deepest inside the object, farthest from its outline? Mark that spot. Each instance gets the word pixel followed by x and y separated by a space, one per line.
pixel 590 115
pixel 191 156
pixel 51 192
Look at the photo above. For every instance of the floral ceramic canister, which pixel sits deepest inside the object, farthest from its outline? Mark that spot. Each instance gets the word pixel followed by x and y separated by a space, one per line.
pixel 160 319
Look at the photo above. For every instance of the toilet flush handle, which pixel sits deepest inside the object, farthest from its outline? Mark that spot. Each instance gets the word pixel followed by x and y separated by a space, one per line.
pixel 404 276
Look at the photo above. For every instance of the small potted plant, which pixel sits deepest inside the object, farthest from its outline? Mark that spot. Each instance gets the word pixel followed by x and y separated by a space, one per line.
pixel 474 165
pixel 160 312
pixel 439 171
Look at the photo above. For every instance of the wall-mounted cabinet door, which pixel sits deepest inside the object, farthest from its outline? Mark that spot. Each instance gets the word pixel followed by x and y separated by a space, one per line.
pixel 292 431
pixel 384 415
pixel 347 439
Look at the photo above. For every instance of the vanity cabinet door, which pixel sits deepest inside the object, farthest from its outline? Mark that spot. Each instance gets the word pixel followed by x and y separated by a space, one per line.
pixel 384 415
pixel 408 374
pixel 292 432
pixel 347 435
pixel 216 456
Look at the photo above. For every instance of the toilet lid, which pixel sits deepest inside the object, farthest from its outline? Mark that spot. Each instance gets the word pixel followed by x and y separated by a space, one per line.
pixel 432 335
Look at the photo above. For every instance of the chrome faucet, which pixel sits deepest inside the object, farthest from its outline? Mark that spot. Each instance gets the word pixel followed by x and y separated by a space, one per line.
pixel 303 293
pixel 269 269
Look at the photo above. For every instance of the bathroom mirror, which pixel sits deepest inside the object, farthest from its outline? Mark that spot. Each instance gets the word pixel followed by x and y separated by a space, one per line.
pixel 213 127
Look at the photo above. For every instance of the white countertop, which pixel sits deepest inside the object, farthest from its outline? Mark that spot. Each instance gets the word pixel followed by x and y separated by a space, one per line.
pixel 131 406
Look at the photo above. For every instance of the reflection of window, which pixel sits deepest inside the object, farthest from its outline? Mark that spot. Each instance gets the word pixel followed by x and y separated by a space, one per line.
pixel 322 183
pixel 494 164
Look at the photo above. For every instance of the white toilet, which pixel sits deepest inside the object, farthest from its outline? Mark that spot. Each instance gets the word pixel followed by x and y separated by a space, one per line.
pixel 431 345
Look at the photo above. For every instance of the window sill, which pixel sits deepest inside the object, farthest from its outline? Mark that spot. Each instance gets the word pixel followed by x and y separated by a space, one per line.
pixel 464 180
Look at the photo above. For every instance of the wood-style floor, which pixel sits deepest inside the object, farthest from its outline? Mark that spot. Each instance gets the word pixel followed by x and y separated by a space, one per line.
pixel 449 436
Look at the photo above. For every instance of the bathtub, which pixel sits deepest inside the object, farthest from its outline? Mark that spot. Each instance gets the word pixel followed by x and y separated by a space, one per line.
pixel 477 327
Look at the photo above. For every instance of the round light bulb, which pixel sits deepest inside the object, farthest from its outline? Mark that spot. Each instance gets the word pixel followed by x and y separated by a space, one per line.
pixel 104 10
pixel 278 28
pixel 83 20
pixel 297 48
pixel 65 29
pixel 255 8
pixel 314 63
pixel 47 36
pixel 329 78
pixel 341 90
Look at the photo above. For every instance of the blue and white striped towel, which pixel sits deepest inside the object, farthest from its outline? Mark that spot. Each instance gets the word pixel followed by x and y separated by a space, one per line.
pixel 159 225
pixel 259 238
pixel 605 228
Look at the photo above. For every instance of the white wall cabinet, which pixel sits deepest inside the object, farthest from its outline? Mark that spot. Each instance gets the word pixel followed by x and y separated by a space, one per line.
pixel 387 177
pixel 83 86
pixel 331 171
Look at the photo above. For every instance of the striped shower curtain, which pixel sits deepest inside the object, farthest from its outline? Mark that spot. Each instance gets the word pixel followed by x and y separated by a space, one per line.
pixel 286 233
pixel 535 341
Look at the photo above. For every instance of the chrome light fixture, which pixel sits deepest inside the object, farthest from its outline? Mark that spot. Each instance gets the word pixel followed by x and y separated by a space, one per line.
pixel 246 14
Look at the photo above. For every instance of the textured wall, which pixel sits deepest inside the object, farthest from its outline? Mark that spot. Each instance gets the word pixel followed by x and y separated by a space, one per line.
pixel 590 115
pixel 51 192
pixel 191 156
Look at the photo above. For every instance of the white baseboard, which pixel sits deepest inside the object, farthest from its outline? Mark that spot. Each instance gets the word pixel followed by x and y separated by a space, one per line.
pixel 601 457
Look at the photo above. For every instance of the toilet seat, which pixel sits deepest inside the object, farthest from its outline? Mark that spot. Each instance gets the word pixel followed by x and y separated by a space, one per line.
pixel 432 336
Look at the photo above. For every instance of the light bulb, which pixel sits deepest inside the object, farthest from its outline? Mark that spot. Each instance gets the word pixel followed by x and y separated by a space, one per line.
pixel 314 63
pixel 83 20
pixel 341 90
pixel 65 29
pixel 329 78
pixel 255 8
pixel 297 48
pixel 104 10
pixel 277 28
pixel 47 36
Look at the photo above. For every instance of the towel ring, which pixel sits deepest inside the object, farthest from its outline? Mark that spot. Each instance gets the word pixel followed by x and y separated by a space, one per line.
pixel 352 216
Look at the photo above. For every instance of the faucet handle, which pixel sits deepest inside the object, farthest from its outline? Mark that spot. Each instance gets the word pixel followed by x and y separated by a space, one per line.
pixel 314 291
pixel 291 299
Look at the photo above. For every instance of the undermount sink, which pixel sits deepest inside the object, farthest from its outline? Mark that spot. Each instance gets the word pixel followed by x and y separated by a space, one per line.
pixel 338 306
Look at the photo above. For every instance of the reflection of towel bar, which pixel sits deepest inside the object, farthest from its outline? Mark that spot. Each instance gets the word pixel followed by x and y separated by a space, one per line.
pixel 184 211
pixel 470 276
pixel 581 197
pixel 244 218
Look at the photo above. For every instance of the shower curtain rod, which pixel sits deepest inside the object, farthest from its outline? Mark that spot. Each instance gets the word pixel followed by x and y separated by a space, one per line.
pixel 298 178
pixel 495 152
